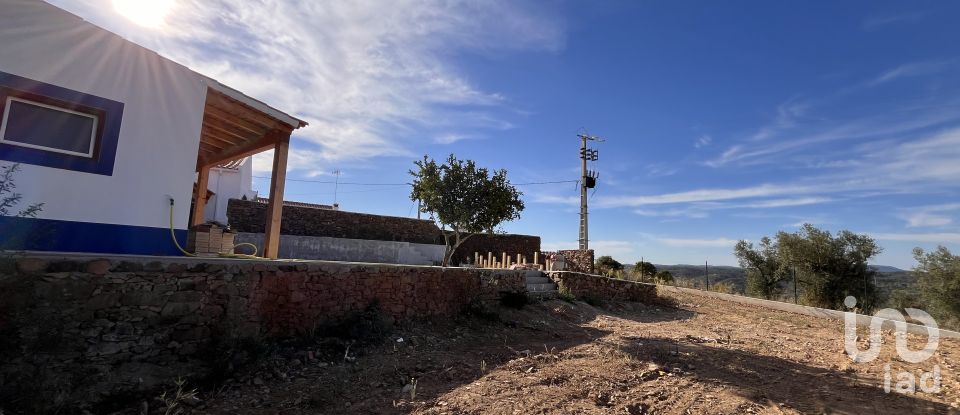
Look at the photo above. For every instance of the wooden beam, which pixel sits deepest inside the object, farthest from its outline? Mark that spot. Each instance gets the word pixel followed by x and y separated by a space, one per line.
pixel 214 113
pixel 262 144
pixel 271 243
pixel 210 136
pixel 229 131
pixel 243 111
pixel 200 197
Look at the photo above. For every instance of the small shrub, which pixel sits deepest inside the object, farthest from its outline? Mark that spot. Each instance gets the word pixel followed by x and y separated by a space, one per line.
pixel 566 295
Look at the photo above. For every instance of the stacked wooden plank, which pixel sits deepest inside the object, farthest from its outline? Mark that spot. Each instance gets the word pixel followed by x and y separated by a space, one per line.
pixel 210 240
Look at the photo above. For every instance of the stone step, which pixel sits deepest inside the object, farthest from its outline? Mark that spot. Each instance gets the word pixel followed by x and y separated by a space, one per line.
pixel 532 273
pixel 538 280
pixel 543 295
pixel 541 287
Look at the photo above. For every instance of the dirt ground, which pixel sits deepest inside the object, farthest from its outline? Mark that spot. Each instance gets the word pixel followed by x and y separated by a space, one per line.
pixel 701 356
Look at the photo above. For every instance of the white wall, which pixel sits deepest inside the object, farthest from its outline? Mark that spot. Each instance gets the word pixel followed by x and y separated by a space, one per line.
pixel 228 184
pixel 160 132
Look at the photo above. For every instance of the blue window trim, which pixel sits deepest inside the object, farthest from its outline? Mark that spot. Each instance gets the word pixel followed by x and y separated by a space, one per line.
pixel 109 112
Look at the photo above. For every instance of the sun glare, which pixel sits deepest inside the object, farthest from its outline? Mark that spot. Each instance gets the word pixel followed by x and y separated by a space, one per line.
pixel 147 13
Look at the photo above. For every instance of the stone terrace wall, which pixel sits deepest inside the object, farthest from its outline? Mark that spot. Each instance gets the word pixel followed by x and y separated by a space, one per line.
pixel 524 245
pixel 579 260
pixel 249 216
pixel 603 288
pixel 81 329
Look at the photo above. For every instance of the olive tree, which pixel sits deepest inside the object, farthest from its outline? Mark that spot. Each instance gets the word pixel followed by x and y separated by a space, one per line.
pixel 608 266
pixel 645 270
pixel 938 275
pixel 463 199
pixel 765 271
pixel 831 267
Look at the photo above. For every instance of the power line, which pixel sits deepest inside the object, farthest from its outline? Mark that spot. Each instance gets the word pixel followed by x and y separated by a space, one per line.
pixel 405 184
pixel 335 182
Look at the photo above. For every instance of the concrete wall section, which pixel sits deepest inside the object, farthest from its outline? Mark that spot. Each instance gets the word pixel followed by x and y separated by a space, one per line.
pixel 351 250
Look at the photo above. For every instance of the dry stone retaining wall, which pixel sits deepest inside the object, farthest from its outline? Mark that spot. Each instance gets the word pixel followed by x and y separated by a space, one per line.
pixel 590 286
pixel 80 329
pixel 578 260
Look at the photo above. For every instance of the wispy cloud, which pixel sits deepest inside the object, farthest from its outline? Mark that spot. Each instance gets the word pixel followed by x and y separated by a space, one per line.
pixel 699 243
pixel 929 216
pixel 919 237
pixel 362 73
pixel 787 115
pixel 703 141
pixel 878 21
pixel 450 138
pixel 911 70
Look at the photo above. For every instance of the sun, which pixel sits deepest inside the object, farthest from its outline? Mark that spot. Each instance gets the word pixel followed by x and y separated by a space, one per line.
pixel 147 13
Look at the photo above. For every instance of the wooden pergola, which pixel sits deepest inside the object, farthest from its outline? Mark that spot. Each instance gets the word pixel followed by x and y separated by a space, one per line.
pixel 236 126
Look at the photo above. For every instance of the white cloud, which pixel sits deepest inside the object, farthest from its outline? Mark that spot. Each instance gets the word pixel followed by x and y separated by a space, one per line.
pixel 450 138
pixel 929 216
pixel 919 237
pixel 364 74
pixel 776 203
pixel 702 195
pixel 699 243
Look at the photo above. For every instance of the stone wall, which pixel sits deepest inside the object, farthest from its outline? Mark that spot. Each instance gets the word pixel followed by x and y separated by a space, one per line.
pixel 578 260
pixel 82 329
pixel 250 217
pixel 524 245
pixel 590 286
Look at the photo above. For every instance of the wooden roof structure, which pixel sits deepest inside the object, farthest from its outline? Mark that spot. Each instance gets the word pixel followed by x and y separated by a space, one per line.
pixel 236 126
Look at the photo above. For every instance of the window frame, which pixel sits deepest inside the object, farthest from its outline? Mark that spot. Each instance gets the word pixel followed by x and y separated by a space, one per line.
pixel 108 116
pixel 94 136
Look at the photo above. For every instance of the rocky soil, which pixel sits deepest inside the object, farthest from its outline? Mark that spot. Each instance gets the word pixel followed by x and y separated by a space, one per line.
pixel 698 356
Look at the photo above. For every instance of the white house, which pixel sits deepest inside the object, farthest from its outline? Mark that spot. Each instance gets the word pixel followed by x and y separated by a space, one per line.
pixel 232 180
pixel 107 132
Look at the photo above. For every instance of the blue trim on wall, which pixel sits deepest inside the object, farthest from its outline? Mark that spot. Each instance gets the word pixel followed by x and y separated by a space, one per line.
pixel 66 236
pixel 111 116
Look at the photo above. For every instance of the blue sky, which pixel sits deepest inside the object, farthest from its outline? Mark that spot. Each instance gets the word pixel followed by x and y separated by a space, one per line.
pixel 722 123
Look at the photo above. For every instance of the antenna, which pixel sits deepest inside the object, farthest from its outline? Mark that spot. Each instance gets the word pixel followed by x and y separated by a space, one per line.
pixel 336 185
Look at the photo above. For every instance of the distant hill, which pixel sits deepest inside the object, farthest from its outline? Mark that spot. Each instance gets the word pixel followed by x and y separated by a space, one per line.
pixel 718 273
pixel 888 277
pixel 887 268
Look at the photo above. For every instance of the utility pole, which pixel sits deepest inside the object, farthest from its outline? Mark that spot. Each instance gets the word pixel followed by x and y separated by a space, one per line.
pixel 588 180
pixel 706 274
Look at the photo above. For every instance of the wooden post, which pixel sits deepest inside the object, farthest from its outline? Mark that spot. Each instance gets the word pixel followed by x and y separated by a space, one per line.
pixel 200 196
pixel 271 242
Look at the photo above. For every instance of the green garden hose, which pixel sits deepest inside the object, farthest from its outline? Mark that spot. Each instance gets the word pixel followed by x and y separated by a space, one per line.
pixel 173 235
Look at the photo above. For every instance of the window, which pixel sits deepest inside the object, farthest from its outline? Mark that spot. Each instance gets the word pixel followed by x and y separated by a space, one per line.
pixel 47 127
pixel 52 126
